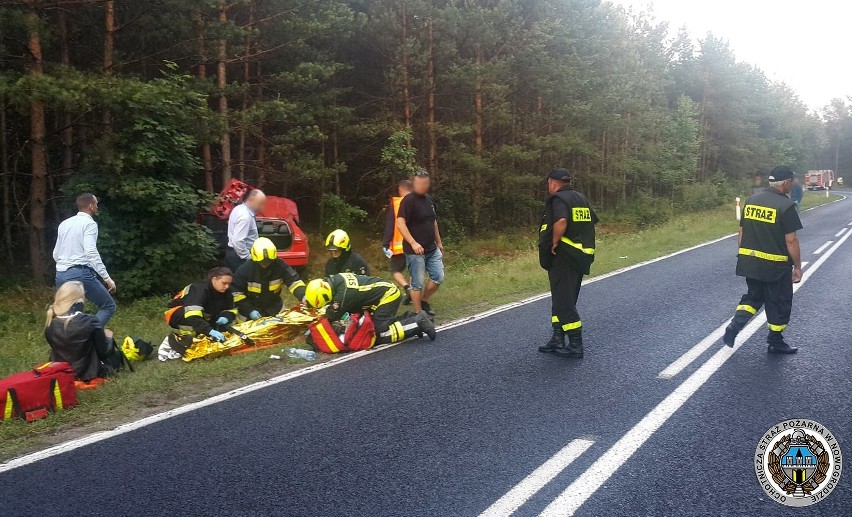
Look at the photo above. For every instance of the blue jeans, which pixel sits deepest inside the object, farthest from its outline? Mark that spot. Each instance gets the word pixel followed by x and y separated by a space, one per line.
pixel 96 292
pixel 418 265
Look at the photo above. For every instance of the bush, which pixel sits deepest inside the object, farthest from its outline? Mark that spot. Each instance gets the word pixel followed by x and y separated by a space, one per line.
pixel 337 213
pixel 645 211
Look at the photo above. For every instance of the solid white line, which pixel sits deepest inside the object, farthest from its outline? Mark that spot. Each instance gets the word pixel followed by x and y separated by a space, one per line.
pixel 822 248
pixel 578 492
pixel 159 417
pixel 805 264
pixel 530 485
pixel 839 199
pixel 841 232
pixel 693 353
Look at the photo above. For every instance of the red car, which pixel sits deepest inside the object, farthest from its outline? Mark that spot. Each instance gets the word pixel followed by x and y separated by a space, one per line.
pixel 279 222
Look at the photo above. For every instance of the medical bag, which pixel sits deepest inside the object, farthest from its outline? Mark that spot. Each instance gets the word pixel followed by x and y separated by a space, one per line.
pixel 359 335
pixel 31 395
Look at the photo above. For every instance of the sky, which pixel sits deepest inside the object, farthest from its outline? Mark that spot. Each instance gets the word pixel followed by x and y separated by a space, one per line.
pixel 803 43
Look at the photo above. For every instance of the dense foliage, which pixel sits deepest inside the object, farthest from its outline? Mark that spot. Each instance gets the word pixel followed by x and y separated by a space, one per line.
pixel 148 102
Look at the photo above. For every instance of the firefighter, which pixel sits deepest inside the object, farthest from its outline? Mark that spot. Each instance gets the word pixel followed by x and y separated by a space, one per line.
pixel 770 260
pixel 349 293
pixel 392 242
pixel 202 308
pixel 566 251
pixel 258 283
pixel 343 259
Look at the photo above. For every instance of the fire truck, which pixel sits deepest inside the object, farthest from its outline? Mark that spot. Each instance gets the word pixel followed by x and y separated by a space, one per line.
pixel 279 222
pixel 819 180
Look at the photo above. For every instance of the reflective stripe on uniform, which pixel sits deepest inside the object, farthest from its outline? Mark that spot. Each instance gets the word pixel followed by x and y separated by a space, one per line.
pixel 193 310
pixel 572 326
pixel 777 328
pixel 238 297
pixel 763 255
pixel 554 319
pixel 254 287
pixel 587 251
pixel 390 296
pixel 397 332
pixel 275 285
pixel 329 342
pixel 543 228
pixel 747 308
pixel 57 394
pixel 295 285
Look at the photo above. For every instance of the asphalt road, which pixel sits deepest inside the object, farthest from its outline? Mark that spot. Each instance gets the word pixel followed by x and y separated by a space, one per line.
pixel 448 428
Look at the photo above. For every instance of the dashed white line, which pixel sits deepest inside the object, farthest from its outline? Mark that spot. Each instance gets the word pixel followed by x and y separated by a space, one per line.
pixel 823 247
pixel 841 232
pixel 530 485
pixel 578 492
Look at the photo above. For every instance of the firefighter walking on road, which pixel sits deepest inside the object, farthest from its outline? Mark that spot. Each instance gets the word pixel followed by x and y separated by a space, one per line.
pixel 770 260
pixel 566 251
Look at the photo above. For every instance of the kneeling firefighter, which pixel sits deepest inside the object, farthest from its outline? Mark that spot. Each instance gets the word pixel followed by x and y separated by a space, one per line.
pixel 258 283
pixel 349 293
pixel 200 308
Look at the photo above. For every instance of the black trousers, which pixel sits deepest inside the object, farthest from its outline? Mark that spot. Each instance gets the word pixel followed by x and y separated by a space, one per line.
pixel 565 282
pixel 776 296
pixel 232 260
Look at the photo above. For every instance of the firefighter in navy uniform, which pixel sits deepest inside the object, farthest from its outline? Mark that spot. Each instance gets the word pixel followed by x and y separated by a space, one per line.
pixel 769 259
pixel 566 251
pixel 258 283
pixel 202 308
pixel 350 293
pixel 343 259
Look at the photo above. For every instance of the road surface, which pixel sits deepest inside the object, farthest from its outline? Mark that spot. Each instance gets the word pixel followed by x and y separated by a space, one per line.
pixel 480 421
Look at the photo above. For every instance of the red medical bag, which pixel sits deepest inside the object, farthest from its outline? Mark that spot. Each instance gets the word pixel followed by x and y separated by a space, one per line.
pixel 360 335
pixel 30 395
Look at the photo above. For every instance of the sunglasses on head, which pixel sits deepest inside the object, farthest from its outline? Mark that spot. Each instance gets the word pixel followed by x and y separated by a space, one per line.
pixel 421 174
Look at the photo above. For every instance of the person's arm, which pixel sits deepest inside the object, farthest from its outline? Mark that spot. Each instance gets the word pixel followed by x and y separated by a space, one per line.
pixel 559 228
pixel 241 231
pixel 403 229
pixel 390 226
pixel 90 246
pixel 438 237
pixel 294 283
pixel 362 266
pixel 239 287
pixel 193 310
pixel 795 254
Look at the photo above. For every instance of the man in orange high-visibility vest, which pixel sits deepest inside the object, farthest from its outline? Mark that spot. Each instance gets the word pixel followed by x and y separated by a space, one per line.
pixel 392 242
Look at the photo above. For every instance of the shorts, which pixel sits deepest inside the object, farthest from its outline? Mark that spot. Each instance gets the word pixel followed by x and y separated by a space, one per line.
pixel 418 265
pixel 397 263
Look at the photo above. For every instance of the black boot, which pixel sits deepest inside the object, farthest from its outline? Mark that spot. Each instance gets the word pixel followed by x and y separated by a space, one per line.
pixel 574 348
pixel 730 336
pixel 777 345
pixel 426 326
pixel 556 341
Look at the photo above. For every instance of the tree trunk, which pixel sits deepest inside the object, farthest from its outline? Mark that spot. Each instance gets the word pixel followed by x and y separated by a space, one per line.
pixel 38 151
pixel 109 50
pixel 241 150
pixel 67 132
pixel 406 93
pixel 478 139
pixel 433 135
pixel 4 174
pixel 261 159
pixel 206 155
pixel 221 82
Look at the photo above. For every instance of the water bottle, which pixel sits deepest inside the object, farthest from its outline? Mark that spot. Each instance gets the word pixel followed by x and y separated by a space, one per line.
pixel 299 353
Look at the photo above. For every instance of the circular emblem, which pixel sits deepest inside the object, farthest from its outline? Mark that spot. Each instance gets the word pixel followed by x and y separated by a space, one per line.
pixel 798 462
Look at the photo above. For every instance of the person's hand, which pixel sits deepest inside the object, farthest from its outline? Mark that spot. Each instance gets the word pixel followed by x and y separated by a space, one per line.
pixel 441 247
pixel 388 253
pixel 108 333
pixel 417 248
pixel 553 248
pixel 254 315
pixel 222 321
pixel 797 275
pixel 215 335
pixel 110 284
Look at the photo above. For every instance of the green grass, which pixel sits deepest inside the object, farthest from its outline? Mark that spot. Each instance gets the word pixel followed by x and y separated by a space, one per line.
pixel 481 273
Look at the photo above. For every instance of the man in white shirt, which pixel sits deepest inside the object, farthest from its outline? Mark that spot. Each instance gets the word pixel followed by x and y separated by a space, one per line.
pixel 242 229
pixel 77 258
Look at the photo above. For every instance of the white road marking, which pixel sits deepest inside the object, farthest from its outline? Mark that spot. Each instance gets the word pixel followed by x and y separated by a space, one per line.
pixel 841 232
pixel 823 247
pixel 693 353
pixel 137 424
pixel 578 492
pixel 530 485
pixel 805 264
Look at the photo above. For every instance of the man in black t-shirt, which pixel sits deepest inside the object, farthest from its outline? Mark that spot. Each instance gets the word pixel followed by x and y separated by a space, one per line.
pixel 418 223
pixel 770 260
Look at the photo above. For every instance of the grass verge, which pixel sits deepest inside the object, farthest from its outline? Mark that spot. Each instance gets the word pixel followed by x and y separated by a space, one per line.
pixel 498 270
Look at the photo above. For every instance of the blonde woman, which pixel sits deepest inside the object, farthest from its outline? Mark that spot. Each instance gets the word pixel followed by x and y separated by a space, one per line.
pixel 78 338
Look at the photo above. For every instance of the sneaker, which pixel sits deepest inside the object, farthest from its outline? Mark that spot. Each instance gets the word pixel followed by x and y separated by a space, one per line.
pixel 406 300
pixel 427 308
